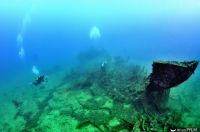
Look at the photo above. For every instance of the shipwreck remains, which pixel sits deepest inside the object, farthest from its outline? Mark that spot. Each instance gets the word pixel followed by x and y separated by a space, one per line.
pixel 165 75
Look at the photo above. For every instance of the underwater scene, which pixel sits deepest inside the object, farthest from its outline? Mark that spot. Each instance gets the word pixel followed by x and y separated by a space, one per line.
pixel 99 66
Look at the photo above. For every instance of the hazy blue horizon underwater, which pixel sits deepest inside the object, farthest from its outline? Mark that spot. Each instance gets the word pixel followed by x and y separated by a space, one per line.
pixel 50 35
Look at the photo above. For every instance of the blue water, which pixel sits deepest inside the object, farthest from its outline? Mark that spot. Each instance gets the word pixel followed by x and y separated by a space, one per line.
pixel 55 32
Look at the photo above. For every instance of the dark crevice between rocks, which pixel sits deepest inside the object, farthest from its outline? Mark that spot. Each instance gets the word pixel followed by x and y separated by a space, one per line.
pixel 16 103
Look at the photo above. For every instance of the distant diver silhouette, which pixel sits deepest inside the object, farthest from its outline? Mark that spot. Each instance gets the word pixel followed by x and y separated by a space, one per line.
pixel 39 80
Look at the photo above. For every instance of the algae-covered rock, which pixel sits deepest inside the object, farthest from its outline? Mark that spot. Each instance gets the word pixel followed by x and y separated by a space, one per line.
pixel 108 104
pixel 114 122
pixel 98 117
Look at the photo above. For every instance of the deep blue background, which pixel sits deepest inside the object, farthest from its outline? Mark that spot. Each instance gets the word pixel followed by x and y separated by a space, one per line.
pixel 58 32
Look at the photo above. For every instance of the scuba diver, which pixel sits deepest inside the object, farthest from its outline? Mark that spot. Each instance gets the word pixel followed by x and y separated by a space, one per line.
pixel 103 66
pixel 39 80
pixel 39 77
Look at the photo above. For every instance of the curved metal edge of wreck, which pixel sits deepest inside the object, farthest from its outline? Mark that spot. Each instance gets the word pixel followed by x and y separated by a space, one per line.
pixel 166 75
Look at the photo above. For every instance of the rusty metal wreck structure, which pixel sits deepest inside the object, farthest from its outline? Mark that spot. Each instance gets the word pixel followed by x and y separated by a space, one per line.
pixel 166 75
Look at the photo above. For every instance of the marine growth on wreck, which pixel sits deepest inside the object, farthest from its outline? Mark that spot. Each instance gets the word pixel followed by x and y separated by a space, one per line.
pixel 113 99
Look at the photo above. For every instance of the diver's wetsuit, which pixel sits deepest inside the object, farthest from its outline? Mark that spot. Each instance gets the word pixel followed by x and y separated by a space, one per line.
pixel 39 80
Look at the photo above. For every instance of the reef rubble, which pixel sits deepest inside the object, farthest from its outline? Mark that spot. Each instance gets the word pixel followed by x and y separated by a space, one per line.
pixel 123 97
